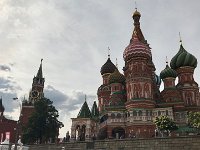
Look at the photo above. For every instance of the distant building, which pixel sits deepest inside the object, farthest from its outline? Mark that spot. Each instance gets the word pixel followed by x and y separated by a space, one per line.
pixel 7 126
pixel 35 94
pixel 11 127
pixel 129 102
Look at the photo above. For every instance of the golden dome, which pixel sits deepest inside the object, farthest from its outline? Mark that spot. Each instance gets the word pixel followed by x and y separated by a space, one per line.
pixel 136 13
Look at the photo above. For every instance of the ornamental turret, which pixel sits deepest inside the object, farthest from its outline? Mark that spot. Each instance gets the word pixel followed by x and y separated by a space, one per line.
pixel 1 108
pixel 95 111
pixel 85 111
pixel 104 90
pixel 184 63
pixel 168 75
pixel 107 69
pixel 139 69
pixel 37 86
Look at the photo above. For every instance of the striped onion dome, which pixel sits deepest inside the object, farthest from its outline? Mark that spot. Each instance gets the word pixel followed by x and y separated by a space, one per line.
pixel 136 48
pixel 108 67
pixel 168 72
pixel 157 79
pixel 183 59
pixel 116 77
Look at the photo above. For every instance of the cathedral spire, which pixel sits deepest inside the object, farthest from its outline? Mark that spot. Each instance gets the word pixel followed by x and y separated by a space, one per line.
pixel 39 73
pixel 116 64
pixel 108 52
pixel 180 38
pixel 1 107
pixel 166 61
pixel 136 17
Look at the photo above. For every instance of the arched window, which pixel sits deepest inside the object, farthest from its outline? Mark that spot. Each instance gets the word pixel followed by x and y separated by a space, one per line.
pixel 167 112
pixel 147 113
pixel 159 113
pixel 140 113
pixel 112 116
pixel 134 113
pixel 118 115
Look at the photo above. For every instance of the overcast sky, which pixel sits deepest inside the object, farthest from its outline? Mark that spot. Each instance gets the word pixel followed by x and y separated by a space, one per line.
pixel 72 37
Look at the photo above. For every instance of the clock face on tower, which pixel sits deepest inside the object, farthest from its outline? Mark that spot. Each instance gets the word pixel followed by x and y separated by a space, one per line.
pixel 34 94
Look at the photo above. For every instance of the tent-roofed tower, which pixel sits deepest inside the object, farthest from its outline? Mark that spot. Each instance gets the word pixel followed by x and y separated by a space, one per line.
pixel 37 86
pixel 95 111
pixel 104 90
pixel 84 126
pixel 85 111
pixel 185 63
pixel 35 94
pixel 139 73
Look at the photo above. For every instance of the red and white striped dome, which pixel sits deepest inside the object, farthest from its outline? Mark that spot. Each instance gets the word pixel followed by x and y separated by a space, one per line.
pixel 136 48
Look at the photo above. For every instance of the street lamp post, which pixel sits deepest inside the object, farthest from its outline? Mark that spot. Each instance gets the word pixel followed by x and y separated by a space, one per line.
pixel 18 124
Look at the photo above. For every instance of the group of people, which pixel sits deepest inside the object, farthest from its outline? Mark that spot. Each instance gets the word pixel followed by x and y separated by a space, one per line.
pixel 66 138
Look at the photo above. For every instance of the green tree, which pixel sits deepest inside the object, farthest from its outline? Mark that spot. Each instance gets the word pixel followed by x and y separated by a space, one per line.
pixel 194 119
pixel 164 123
pixel 43 123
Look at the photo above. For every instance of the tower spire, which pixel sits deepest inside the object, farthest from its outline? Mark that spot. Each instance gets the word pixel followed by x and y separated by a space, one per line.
pixel 1 107
pixel 135 6
pixel 137 31
pixel 39 73
pixel 116 64
pixel 166 61
pixel 108 52
pixel 180 39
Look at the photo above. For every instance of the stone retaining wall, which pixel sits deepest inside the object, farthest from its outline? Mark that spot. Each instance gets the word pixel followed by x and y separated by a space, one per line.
pixel 175 143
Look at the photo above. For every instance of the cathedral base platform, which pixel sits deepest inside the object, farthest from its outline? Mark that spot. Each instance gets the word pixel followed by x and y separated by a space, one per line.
pixel 172 143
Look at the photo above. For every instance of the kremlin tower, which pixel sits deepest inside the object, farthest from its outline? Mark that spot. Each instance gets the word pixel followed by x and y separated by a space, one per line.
pixel 35 94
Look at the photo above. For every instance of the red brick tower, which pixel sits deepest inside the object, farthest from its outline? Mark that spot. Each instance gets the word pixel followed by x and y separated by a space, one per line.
pixel 184 63
pixel 35 94
pixel 171 97
pixel 104 90
pixel 7 126
pixel 140 82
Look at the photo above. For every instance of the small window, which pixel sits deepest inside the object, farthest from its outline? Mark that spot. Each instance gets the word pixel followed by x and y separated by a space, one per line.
pixel 134 113
pixel 159 113
pixel 112 116
pixel 140 113
pixel 119 115
pixel 167 112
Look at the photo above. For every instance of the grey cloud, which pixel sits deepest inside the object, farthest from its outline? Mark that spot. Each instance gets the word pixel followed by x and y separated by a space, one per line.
pixel 8 90
pixel 5 68
pixel 67 103
pixel 8 85
pixel 7 100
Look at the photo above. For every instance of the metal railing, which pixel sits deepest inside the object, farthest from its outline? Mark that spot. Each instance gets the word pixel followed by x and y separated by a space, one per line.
pixel 12 147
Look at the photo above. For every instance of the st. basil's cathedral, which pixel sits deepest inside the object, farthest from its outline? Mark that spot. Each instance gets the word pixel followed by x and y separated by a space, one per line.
pixel 129 103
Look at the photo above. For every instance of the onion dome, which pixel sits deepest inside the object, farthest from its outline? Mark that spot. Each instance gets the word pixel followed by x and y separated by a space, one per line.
pixel 138 45
pixel 95 111
pixel 183 59
pixel 136 14
pixel 108 67
pixel 116 77
pixel 137 48
pixel 168 72
pixel 157 80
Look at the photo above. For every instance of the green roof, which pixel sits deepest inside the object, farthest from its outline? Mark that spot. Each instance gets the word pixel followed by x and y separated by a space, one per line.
pixel 85 111
pixel 186 129
pixel 183 58
pixel 95 111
